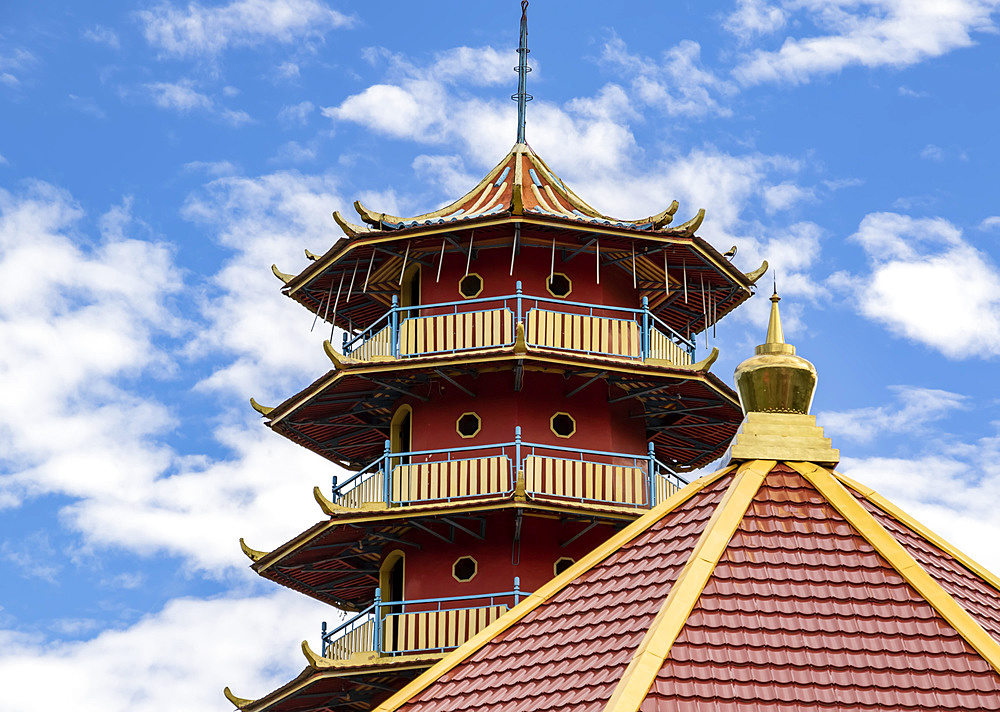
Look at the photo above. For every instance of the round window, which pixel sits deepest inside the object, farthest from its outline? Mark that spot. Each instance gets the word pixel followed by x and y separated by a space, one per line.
pixel 559 285
pixel 464 568
pixel 563 424
pixel 468 425
pixel 471 285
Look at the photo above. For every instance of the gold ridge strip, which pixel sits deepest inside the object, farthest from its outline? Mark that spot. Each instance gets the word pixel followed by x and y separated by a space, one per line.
pixel 940 542
pixel 900 559
pixel 548 590
pixel 634 684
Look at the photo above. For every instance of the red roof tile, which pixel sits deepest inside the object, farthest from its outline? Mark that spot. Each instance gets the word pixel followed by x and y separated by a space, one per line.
pixel 779 626
pixel 571 650
pixel 800 612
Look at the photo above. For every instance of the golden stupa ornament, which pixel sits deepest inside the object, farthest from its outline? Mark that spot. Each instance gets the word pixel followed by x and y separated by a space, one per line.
pixel 776 390
pixel 774 379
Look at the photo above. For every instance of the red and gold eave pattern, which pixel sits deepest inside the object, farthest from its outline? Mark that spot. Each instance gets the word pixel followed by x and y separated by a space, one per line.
pixel 521 188
pixel 800 613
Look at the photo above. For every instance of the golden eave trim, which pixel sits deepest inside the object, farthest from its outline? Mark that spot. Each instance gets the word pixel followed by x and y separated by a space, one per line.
pixel 376 237
pixel 649 657
pixel 311 676
pixel 345 515
pixel 548 590
pixel 636 368
pixel 900 559
pixel 898 514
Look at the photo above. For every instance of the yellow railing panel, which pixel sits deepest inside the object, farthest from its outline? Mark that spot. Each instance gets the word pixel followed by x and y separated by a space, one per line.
pixel 662 347
pixel 379 345
pixel 476 477
pixel 366 492
pixel 571 479
pixel 450 332
pixel 436 630
pixel 579 332
pixel 358 640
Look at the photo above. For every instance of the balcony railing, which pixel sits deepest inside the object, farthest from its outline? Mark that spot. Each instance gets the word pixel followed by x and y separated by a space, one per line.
pixel 551 473
pixel 429 625
pixel 490 322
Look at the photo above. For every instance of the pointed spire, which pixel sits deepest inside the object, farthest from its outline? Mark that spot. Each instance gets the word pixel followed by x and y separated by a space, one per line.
pixel 774 343
pixel 522 97
pixel 774 379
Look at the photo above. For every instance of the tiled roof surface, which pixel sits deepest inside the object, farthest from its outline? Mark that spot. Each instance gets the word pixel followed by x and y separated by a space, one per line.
pixel 977 596
pixel 570 651
pixel 801 612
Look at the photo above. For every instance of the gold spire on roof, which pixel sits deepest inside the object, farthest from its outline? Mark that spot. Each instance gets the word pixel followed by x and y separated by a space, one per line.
pixel 774 379
pixel 776 388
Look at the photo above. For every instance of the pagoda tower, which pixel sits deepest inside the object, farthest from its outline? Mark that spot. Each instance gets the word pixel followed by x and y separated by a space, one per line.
pixel 517 381
pixel 775 583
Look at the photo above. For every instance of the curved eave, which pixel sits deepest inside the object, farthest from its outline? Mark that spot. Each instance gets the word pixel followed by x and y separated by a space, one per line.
pixel 328 561
pixel 343 416
pixel 365 270
pixel 347 685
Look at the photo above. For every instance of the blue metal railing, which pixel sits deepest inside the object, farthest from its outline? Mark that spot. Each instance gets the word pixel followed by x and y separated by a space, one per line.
pixel 384 616
pixel 517 307
pixel 494 467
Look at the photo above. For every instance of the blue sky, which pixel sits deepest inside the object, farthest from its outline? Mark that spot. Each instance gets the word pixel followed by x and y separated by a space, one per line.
pixel 156 158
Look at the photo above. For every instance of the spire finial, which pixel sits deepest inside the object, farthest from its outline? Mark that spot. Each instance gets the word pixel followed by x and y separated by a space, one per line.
pixel 522 97
pixel 774 379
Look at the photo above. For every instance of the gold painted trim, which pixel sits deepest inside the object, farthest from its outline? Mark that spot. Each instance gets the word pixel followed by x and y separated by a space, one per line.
pixel 238 702
pixel 548 590
pixel 895 512
pixel 896 555
pixel 312 256
pixel 756 274
pixel 286 278
pixel 262 409
pixel 475 568
pixel 479 425
pixel 482 358
pixel 349 228
pixel 689 227
pixel 377 237
pixel 634 684
pixel 253 554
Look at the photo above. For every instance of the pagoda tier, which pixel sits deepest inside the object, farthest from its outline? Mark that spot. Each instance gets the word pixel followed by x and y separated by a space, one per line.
pixel 357 686
pixel 522 210
pixel 686 414
pixel 337 561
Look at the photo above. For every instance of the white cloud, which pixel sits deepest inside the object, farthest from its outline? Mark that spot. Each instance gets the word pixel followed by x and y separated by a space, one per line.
pixel 102 35
pixel 753 18
pixel 197 30
pixel 265 220
pixel 183 98
pixel 956 497
pixel 88 331
pixel 990 223
pixel 915 408
pixel 297 113
pixel 3 161
pixel 247 643
pixel 928 284
pixel 913 93
pixel 678 85
pixel 785 195
pixel 294 152
pixel 932 153
pixel 87 105
pixel 16 60
pixel 870 34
